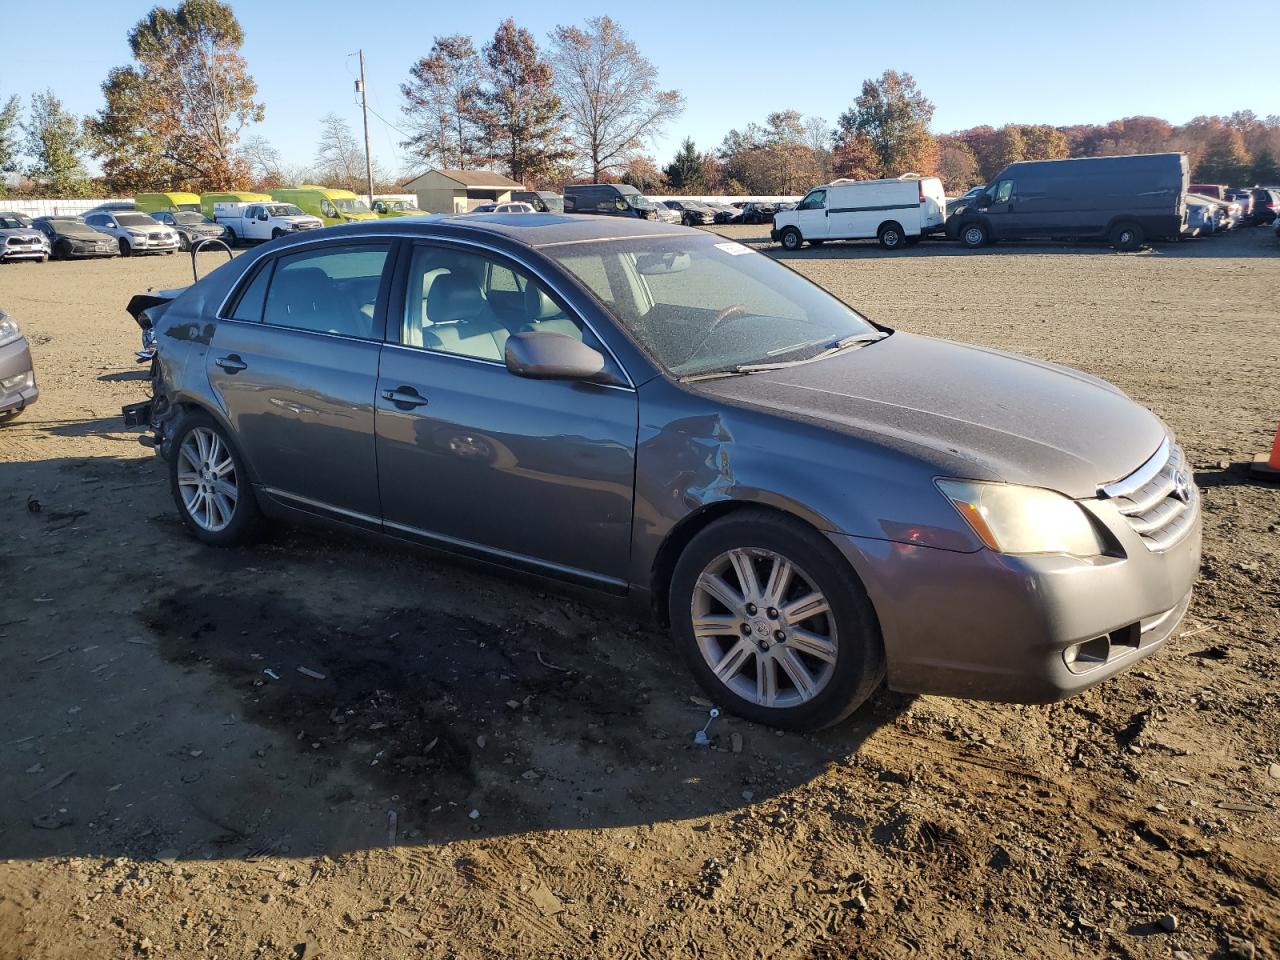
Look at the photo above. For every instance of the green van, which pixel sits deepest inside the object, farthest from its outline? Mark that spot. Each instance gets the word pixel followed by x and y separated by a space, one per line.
pixel 207 200
pixel 166 202
pixel 330 205
pixel 392 207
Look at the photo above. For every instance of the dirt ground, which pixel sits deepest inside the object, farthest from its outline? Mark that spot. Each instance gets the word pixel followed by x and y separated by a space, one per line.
pixel 490 769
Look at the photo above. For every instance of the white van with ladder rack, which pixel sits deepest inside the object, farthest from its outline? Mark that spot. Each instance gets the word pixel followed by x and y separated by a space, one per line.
pixel 896 212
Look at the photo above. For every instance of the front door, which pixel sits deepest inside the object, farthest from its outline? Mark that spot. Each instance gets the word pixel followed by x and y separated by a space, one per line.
pixel 812 216
pixel 475 459
pixel 1003 212
pixel 296 365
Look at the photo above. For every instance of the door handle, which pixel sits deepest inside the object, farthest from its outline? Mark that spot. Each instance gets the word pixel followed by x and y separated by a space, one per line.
pixel 405 397
pixel 231 364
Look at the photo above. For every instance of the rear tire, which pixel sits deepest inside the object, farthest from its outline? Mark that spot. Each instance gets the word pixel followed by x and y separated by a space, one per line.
pixel 891 236
pixel 210 485
pixel 974 235
pixel 838 646
pixel 1127 237
pixel 790 239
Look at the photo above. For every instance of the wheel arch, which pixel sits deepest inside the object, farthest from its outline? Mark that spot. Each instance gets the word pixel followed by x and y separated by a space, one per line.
pixel 885 224
pixel 184 405
pixel 693 523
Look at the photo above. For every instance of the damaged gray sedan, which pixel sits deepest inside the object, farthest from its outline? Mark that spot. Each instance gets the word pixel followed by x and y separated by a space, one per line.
pixel 811 502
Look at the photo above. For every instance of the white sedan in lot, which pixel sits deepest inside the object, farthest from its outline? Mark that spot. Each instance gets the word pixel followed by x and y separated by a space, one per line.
pixel 135 232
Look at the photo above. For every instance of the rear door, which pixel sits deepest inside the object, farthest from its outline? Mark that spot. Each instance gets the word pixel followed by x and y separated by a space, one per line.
pixel 471 458
pixel 294 362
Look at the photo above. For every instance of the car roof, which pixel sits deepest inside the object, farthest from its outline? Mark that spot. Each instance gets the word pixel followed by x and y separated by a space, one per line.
pixel 530 229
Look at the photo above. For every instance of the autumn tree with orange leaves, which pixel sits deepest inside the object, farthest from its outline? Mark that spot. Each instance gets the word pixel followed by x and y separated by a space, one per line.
pixel 173 118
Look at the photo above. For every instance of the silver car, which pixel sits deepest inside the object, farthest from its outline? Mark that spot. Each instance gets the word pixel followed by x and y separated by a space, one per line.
pixel 134 232
pixel 17 373
pixel 19 240
pixel 810 500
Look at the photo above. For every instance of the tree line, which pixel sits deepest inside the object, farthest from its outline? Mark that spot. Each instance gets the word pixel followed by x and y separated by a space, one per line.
pixel 585 105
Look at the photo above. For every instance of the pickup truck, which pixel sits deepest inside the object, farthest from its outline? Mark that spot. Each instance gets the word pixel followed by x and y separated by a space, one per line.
pixel 253 222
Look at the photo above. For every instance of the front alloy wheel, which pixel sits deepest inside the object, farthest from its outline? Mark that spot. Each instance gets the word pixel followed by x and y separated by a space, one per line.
pixel 764 628
pixel 773 622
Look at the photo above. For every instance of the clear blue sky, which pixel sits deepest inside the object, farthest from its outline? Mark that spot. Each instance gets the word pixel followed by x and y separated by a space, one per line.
pixel 1078 62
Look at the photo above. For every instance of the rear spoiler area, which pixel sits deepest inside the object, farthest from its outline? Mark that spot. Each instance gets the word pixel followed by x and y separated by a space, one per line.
pixel 152 298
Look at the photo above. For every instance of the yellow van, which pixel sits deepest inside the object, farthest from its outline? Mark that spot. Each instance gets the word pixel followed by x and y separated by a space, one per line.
pixel 166 202
pixel 330 205
pixel 207 200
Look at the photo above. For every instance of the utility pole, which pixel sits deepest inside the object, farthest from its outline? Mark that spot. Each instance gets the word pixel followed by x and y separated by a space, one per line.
pixel 364 105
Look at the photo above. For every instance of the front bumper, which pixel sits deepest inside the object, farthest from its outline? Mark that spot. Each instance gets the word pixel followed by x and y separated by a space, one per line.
pixel 988 626
pixel 17 377
pixel 24 252
pixel 147 245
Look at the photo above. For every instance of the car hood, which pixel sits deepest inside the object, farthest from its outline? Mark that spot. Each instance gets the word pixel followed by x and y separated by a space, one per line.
pixel 26 233
pixel 969 411
pixel 301 218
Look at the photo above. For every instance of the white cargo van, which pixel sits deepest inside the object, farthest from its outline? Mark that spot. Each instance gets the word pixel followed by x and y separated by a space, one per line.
pixel 895 212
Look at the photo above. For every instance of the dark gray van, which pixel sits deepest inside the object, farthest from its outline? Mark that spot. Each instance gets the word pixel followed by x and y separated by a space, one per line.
pixel 1125 200
pixel 609 199
pixel 544 201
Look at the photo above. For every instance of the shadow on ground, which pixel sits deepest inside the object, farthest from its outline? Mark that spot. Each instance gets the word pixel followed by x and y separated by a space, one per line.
pixel 286 698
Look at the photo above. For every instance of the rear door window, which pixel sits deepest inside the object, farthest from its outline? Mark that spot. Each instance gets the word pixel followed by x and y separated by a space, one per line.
pixel 332 289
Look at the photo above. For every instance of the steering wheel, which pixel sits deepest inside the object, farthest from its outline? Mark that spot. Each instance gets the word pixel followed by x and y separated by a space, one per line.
pixel 728 313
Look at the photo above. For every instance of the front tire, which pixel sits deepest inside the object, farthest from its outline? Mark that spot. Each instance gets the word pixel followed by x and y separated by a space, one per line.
pixel 210 485
pixel 974 235
pixel 891 236
pixel 790 239
pixel 1127 237
pixel 184 243
pixel 773 623
pixel 125 249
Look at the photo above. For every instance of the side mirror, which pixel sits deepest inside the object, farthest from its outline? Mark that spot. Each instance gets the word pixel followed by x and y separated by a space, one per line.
pixel 541 355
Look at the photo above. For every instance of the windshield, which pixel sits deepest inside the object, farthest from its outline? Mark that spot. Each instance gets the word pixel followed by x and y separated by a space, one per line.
pixel 701 304
pixel 284 210
pixel 134 220
pixel 185 217
pixel 74 228
pixel 13 223
pixel 638 200
pixel 553 204
pixel 351 206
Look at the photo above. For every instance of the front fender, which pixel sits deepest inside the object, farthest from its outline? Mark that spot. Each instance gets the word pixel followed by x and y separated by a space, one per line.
pixel 689 461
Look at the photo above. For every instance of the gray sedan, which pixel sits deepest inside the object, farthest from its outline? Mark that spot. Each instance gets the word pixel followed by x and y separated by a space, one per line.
pixel 811 501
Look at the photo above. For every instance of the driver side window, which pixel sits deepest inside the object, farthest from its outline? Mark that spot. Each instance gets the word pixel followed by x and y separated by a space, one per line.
pixel 817 200
pixel 328 209
pixel 1004 192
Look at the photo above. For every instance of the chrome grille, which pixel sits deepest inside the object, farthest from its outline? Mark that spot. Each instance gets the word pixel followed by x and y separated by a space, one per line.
pixel 1159 500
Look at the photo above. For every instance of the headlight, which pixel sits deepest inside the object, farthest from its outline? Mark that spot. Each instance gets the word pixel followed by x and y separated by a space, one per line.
pixel 137 233
pixel 1013 519
pixel 10 332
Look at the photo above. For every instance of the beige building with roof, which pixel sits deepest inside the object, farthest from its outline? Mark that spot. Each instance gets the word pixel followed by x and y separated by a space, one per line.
pixel 459 191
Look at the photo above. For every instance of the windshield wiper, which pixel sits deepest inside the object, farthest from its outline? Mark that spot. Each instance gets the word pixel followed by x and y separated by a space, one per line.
pixel 745 369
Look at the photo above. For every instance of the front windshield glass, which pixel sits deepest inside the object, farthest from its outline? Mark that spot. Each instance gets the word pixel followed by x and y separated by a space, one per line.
pixel 134 220
pixel 351 206
pixel 701 304
pixel 13 223
pixel 192 218
pixel 284 210
pixel 75 228
pixel 639 201
pixel 553 204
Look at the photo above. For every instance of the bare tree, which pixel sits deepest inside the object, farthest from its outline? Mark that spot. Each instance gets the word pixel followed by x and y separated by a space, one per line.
pixel 441 104
pixel 339 158
pixel 610 93
pixel 263 160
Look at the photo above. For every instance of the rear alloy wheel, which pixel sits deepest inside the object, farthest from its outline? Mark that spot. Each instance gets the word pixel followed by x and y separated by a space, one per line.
pixel 891 236
pixel 774 625
pixel 791 239
pixel 973 235
pixel 209 484
pixel 1127 237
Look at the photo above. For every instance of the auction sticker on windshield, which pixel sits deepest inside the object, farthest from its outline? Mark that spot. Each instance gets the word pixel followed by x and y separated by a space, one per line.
pixel 733 249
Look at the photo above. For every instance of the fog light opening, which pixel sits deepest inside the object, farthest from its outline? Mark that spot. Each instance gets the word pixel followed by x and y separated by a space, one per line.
pixel 1082 656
